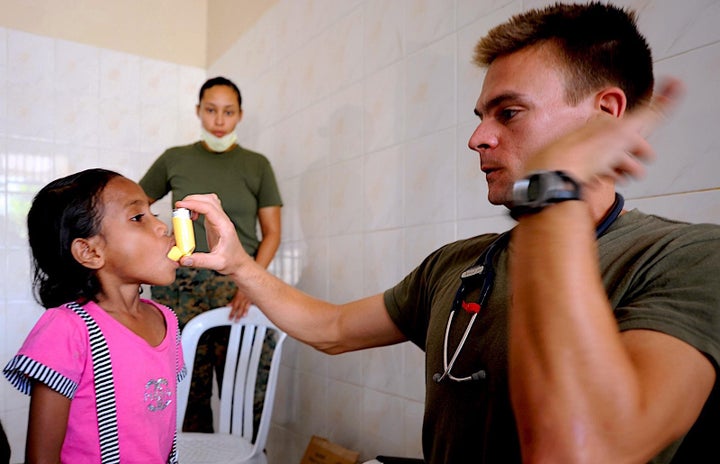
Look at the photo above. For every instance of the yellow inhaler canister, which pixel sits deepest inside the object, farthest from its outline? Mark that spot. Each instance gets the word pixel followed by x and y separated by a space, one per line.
pixel 184 235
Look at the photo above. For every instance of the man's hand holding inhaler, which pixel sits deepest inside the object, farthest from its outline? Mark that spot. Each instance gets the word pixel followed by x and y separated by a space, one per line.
pixel 227 254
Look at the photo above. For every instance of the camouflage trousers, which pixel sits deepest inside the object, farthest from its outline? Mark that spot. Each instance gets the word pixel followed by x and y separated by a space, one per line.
pixel 194 292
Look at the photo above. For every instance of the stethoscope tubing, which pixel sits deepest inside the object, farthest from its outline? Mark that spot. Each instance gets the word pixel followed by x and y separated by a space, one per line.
pixel 487 270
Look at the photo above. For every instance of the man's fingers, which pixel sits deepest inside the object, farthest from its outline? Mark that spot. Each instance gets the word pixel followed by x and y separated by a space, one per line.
pixel 669 95
pixel 204 260
pixel 649 116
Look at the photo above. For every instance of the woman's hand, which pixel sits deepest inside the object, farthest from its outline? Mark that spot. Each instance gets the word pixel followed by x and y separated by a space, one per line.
pixel 239 306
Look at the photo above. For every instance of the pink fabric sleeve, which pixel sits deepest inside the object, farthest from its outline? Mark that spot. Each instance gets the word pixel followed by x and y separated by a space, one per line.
pixel 55 352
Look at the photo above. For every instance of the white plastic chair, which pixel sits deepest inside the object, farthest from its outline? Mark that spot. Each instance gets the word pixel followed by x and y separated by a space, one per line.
pixel 232 443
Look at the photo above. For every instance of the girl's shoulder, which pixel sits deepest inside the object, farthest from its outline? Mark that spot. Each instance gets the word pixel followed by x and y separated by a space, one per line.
pixel 61 318
pixel 58 327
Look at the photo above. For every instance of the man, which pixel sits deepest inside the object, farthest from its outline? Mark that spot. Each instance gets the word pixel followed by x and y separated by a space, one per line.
pixel 589 333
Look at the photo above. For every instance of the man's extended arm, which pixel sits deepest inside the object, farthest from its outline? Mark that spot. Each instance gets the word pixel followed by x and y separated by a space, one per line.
pixel 328 327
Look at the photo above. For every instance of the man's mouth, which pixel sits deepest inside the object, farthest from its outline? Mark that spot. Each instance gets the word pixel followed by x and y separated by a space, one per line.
pixel 490 171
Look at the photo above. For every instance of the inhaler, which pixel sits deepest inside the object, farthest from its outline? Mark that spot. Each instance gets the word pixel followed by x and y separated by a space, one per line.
pixel 184 235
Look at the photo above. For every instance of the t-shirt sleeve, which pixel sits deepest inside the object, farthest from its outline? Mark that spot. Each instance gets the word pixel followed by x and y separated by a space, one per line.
pixel 54 353
pixel 680 291
pixel 269 194
pixel 409 302
pixel 156 182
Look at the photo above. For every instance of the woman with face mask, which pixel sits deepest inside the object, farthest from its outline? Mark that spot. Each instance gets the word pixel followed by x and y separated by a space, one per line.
pixel 245 183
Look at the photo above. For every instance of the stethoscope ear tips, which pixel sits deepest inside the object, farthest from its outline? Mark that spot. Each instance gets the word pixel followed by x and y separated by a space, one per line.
pixel 437 377
pixel 479 375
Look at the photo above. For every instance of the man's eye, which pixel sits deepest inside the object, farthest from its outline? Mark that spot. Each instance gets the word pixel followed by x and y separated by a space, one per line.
pixel 507 114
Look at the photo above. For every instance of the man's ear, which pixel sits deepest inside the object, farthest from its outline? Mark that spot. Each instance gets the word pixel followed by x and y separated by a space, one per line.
pixel 612 100
pixel 88 252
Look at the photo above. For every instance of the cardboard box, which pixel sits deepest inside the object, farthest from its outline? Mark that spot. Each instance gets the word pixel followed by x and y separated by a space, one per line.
pixel 322 451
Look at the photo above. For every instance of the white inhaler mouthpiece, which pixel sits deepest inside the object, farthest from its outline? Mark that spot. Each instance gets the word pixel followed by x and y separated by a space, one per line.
pixel 184 234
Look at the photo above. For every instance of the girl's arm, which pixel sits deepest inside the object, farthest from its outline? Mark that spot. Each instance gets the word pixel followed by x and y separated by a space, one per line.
pixel 49 411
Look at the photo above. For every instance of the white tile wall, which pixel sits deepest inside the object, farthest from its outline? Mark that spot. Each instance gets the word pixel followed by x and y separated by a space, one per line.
pixel 364 108
pixel 65 107
pixel 386 171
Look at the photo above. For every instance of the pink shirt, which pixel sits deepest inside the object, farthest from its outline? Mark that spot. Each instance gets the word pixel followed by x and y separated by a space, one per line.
pixel 145 382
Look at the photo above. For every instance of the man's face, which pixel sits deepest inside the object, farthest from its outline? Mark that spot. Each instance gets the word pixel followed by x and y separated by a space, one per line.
pixel 522 108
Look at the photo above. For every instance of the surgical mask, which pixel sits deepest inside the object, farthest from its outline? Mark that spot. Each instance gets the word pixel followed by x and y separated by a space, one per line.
pixel 218 144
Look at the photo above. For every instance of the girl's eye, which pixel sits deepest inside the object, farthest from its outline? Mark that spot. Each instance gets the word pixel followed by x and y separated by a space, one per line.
pixel 137 217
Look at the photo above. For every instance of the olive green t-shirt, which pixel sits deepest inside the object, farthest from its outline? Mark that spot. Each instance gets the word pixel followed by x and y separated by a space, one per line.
pixel 659 275
pixel 243 180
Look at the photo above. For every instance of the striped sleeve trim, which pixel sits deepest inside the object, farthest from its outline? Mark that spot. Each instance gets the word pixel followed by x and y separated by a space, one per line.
pixel 21 370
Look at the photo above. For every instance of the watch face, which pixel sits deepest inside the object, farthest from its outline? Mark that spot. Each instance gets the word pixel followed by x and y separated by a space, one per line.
pixel 533 189
pixel 541 189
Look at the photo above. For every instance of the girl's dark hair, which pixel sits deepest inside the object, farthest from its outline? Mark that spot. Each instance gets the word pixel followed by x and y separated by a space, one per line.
pixel 65 209
pixel 220 81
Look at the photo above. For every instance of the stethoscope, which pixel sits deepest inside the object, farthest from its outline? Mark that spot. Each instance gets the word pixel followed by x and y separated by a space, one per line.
pixel 483 270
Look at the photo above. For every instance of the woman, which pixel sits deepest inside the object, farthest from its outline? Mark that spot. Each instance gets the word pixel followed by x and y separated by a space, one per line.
pixel 245 183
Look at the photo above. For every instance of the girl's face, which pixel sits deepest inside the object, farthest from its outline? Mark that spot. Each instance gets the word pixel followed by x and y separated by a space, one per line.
pixel 219 110
pixel 133 241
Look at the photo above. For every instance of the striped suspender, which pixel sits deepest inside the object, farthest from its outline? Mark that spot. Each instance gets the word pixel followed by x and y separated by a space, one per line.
pixel 104 389
pixel 105 393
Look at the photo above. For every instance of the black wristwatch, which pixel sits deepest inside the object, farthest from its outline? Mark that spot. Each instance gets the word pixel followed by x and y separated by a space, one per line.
pixel 540 189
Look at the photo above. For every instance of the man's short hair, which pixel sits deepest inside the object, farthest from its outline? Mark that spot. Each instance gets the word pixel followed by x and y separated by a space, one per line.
pixel 597 45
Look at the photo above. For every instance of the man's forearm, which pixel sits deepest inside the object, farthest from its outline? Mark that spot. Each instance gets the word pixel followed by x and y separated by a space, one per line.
pixel 569 372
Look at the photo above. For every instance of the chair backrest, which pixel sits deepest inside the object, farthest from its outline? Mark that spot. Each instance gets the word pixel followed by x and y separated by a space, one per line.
pixel 241 366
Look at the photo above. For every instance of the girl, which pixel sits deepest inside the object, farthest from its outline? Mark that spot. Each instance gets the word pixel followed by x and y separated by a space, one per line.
pixel 102 364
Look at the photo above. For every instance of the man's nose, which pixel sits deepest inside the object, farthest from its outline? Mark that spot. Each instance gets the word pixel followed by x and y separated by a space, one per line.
pixel 482 138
